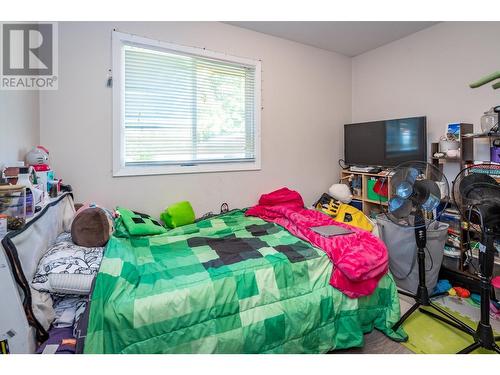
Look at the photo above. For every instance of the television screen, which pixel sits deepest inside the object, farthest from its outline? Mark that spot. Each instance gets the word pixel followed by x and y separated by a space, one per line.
pixel 385 143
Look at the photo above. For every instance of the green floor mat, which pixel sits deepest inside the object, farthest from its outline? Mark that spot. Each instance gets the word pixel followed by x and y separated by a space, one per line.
pixel 430 336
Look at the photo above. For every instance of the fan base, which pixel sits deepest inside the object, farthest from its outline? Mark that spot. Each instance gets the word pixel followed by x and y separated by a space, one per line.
pixel 483 336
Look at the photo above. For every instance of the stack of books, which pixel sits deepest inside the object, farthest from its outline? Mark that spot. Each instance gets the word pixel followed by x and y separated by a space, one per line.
pixel 452 246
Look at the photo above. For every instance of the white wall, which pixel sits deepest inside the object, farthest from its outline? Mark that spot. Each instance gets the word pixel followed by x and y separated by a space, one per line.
pixel 427 73
pixel 306 98
pixel 19 124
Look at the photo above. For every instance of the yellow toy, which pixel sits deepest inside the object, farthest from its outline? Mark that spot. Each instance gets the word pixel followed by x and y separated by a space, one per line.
pixel 352 216
pixel 343 213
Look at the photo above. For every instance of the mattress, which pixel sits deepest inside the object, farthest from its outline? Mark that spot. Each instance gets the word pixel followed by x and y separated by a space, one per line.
pixel 227 284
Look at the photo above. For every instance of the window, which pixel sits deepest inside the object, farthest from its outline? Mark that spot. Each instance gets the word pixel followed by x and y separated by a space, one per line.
pixel 182 109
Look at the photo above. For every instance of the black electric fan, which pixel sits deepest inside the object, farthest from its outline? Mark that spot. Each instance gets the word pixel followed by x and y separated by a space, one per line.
pixel 476 193
pixel 419 194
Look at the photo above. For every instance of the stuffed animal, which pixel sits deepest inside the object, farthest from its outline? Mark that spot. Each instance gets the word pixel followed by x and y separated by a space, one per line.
pixel 178 214
pixel 38 157
pixel 139 224
pixel 341 192
pixel 92 226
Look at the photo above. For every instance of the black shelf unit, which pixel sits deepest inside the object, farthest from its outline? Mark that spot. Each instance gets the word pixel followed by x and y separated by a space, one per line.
pixel 464 275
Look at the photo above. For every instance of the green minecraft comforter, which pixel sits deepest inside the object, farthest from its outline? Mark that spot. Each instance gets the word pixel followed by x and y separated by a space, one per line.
pixel 229 284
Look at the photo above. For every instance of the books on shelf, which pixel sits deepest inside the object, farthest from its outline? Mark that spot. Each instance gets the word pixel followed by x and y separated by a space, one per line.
pixel 451 217
pixel 451 252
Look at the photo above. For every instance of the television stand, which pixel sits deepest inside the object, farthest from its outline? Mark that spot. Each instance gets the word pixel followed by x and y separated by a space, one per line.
pixel 364 197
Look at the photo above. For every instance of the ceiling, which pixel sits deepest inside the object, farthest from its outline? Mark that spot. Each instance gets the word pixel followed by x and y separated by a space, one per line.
pixel 345 37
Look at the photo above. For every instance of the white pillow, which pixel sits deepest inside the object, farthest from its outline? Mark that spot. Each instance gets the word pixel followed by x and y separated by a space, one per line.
pixel 67 268
pixel 70 283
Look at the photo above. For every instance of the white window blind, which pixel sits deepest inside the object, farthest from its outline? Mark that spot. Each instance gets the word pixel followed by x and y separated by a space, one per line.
pixel 183 109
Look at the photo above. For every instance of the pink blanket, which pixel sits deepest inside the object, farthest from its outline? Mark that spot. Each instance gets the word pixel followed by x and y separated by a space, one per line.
pixel 360 259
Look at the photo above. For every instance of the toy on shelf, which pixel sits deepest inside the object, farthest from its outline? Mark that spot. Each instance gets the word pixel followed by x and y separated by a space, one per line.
pixel 38 157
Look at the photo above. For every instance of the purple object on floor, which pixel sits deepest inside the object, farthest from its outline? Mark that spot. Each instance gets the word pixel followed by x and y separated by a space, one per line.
pixel 56 336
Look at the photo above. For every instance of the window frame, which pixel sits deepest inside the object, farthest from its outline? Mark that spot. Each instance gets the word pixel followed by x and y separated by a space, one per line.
pixel 119 39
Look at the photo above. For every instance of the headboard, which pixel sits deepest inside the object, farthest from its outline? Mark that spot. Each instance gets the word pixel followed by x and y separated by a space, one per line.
pixel 22 250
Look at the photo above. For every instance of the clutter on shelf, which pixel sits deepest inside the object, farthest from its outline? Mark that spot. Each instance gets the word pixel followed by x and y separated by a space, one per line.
pixel 26 186
pixel 449 144
pixel 489 120
pixel 377 189
pixel 489 124
pixel 12 207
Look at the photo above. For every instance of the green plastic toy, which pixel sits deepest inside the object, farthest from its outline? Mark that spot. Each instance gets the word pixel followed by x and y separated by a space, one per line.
pixel 487 79
pixel 178 214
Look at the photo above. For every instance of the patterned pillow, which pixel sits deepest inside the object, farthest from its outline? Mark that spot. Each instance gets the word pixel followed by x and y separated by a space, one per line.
pixel 67 268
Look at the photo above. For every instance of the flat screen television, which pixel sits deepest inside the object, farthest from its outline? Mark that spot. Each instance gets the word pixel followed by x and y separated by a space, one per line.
pixel 385 143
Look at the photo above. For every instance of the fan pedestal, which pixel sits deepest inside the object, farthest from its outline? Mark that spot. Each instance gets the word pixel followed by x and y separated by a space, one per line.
pixel 483 336
pixel 422 297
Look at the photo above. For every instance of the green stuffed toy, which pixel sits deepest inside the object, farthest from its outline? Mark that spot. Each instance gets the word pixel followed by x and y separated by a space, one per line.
pixel 138 224
pixel 178 214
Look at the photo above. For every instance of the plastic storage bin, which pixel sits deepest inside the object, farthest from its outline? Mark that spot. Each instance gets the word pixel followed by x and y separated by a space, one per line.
pixel 400 242
pixel 13 201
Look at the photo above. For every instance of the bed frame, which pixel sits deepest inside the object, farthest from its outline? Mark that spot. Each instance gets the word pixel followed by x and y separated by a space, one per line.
pixel 20 252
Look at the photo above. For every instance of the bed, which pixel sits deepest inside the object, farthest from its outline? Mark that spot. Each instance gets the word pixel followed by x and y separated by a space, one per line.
pixel 227 284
